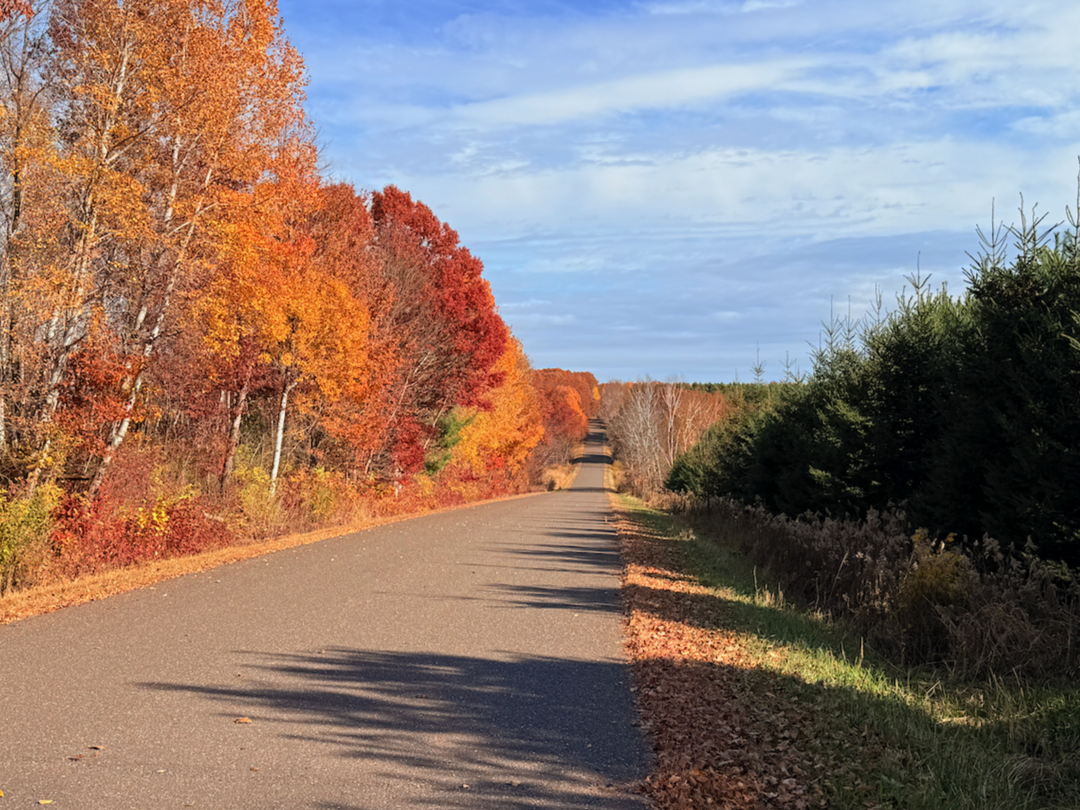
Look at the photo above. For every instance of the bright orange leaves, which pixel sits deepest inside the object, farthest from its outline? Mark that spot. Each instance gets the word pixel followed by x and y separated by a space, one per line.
pixel 12 7
pixel 568 399
pixel 136 137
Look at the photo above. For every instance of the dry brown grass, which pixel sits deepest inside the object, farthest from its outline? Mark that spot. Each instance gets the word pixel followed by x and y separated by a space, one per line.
pixel 52 596
pixel 976 609
pixel 559 477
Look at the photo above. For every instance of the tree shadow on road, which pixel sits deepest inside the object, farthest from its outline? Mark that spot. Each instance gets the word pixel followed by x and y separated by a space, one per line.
pixel 591 458
pixel 586 545
pixel 520 732
pixel 577 599
pixel 573 556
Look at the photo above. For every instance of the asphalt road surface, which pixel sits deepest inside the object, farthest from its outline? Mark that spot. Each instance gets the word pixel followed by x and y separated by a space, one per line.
pixel 471 659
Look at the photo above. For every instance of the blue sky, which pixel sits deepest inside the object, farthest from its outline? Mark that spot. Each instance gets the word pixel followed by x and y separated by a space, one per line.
pixel 666 188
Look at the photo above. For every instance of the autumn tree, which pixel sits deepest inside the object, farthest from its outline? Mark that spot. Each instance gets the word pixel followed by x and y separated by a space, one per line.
pixel 438 314
pixel 654 423
pixel 174 268
pixel 502 437
pixel 353 427
pixel 165 112
pixel 9 8
pixel 33 217
pixel 282 302
pixel 568 399
pixel 246 80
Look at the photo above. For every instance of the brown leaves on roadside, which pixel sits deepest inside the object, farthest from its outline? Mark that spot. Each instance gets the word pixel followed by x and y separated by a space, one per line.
pixel 725 734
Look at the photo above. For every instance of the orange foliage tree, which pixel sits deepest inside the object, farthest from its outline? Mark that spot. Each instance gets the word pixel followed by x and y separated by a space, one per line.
pixel 568 399
pixel 173 268
pixel 281 303
pixel 9 8
pixel 157 112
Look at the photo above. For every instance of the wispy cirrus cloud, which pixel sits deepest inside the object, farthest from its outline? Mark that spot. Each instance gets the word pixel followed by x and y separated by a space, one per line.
pixel 714 7
pixel 659 90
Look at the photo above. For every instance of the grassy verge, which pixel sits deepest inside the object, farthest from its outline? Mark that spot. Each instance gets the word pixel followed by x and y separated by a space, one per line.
pixel 807 716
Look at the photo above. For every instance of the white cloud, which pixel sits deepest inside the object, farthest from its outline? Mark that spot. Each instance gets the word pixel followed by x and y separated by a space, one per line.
pixel 532 303
pixel 713 7
pixel 533 319
pixel 658 90
pixel 1065 125
pixel 727 316
pixel 933 185
pixel 688 7
pixel 768 5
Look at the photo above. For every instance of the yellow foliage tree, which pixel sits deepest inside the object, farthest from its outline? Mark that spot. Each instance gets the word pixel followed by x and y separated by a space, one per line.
pixel 503 437
pixel 157 113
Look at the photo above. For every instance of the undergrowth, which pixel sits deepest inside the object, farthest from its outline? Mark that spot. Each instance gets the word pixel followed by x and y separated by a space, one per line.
pixel 894 737
pixel 975 608
pixel 560 476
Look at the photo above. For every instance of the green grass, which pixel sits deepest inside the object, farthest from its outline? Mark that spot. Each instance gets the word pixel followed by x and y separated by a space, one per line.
pixel 893 738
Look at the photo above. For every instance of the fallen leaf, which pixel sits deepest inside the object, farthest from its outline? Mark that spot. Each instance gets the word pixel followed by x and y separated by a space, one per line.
pixel 242 720
pixel 44 801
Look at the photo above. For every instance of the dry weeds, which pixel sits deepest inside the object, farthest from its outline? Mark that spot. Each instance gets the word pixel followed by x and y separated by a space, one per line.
pixel 559 477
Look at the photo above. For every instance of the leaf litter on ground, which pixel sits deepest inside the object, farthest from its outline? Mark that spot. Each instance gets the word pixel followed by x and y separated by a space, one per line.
pixel 725 733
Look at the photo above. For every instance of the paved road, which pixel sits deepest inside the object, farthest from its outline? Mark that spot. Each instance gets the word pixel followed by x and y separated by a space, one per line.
pixel 465 660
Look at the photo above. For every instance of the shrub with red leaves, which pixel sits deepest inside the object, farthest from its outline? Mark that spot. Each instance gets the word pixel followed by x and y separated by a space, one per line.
pixel 94 536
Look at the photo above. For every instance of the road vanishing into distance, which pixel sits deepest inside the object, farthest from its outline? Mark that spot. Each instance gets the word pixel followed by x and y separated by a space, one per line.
pixel 471 659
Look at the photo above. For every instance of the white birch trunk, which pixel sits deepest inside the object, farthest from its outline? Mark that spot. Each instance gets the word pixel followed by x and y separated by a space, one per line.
pixel 278 439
